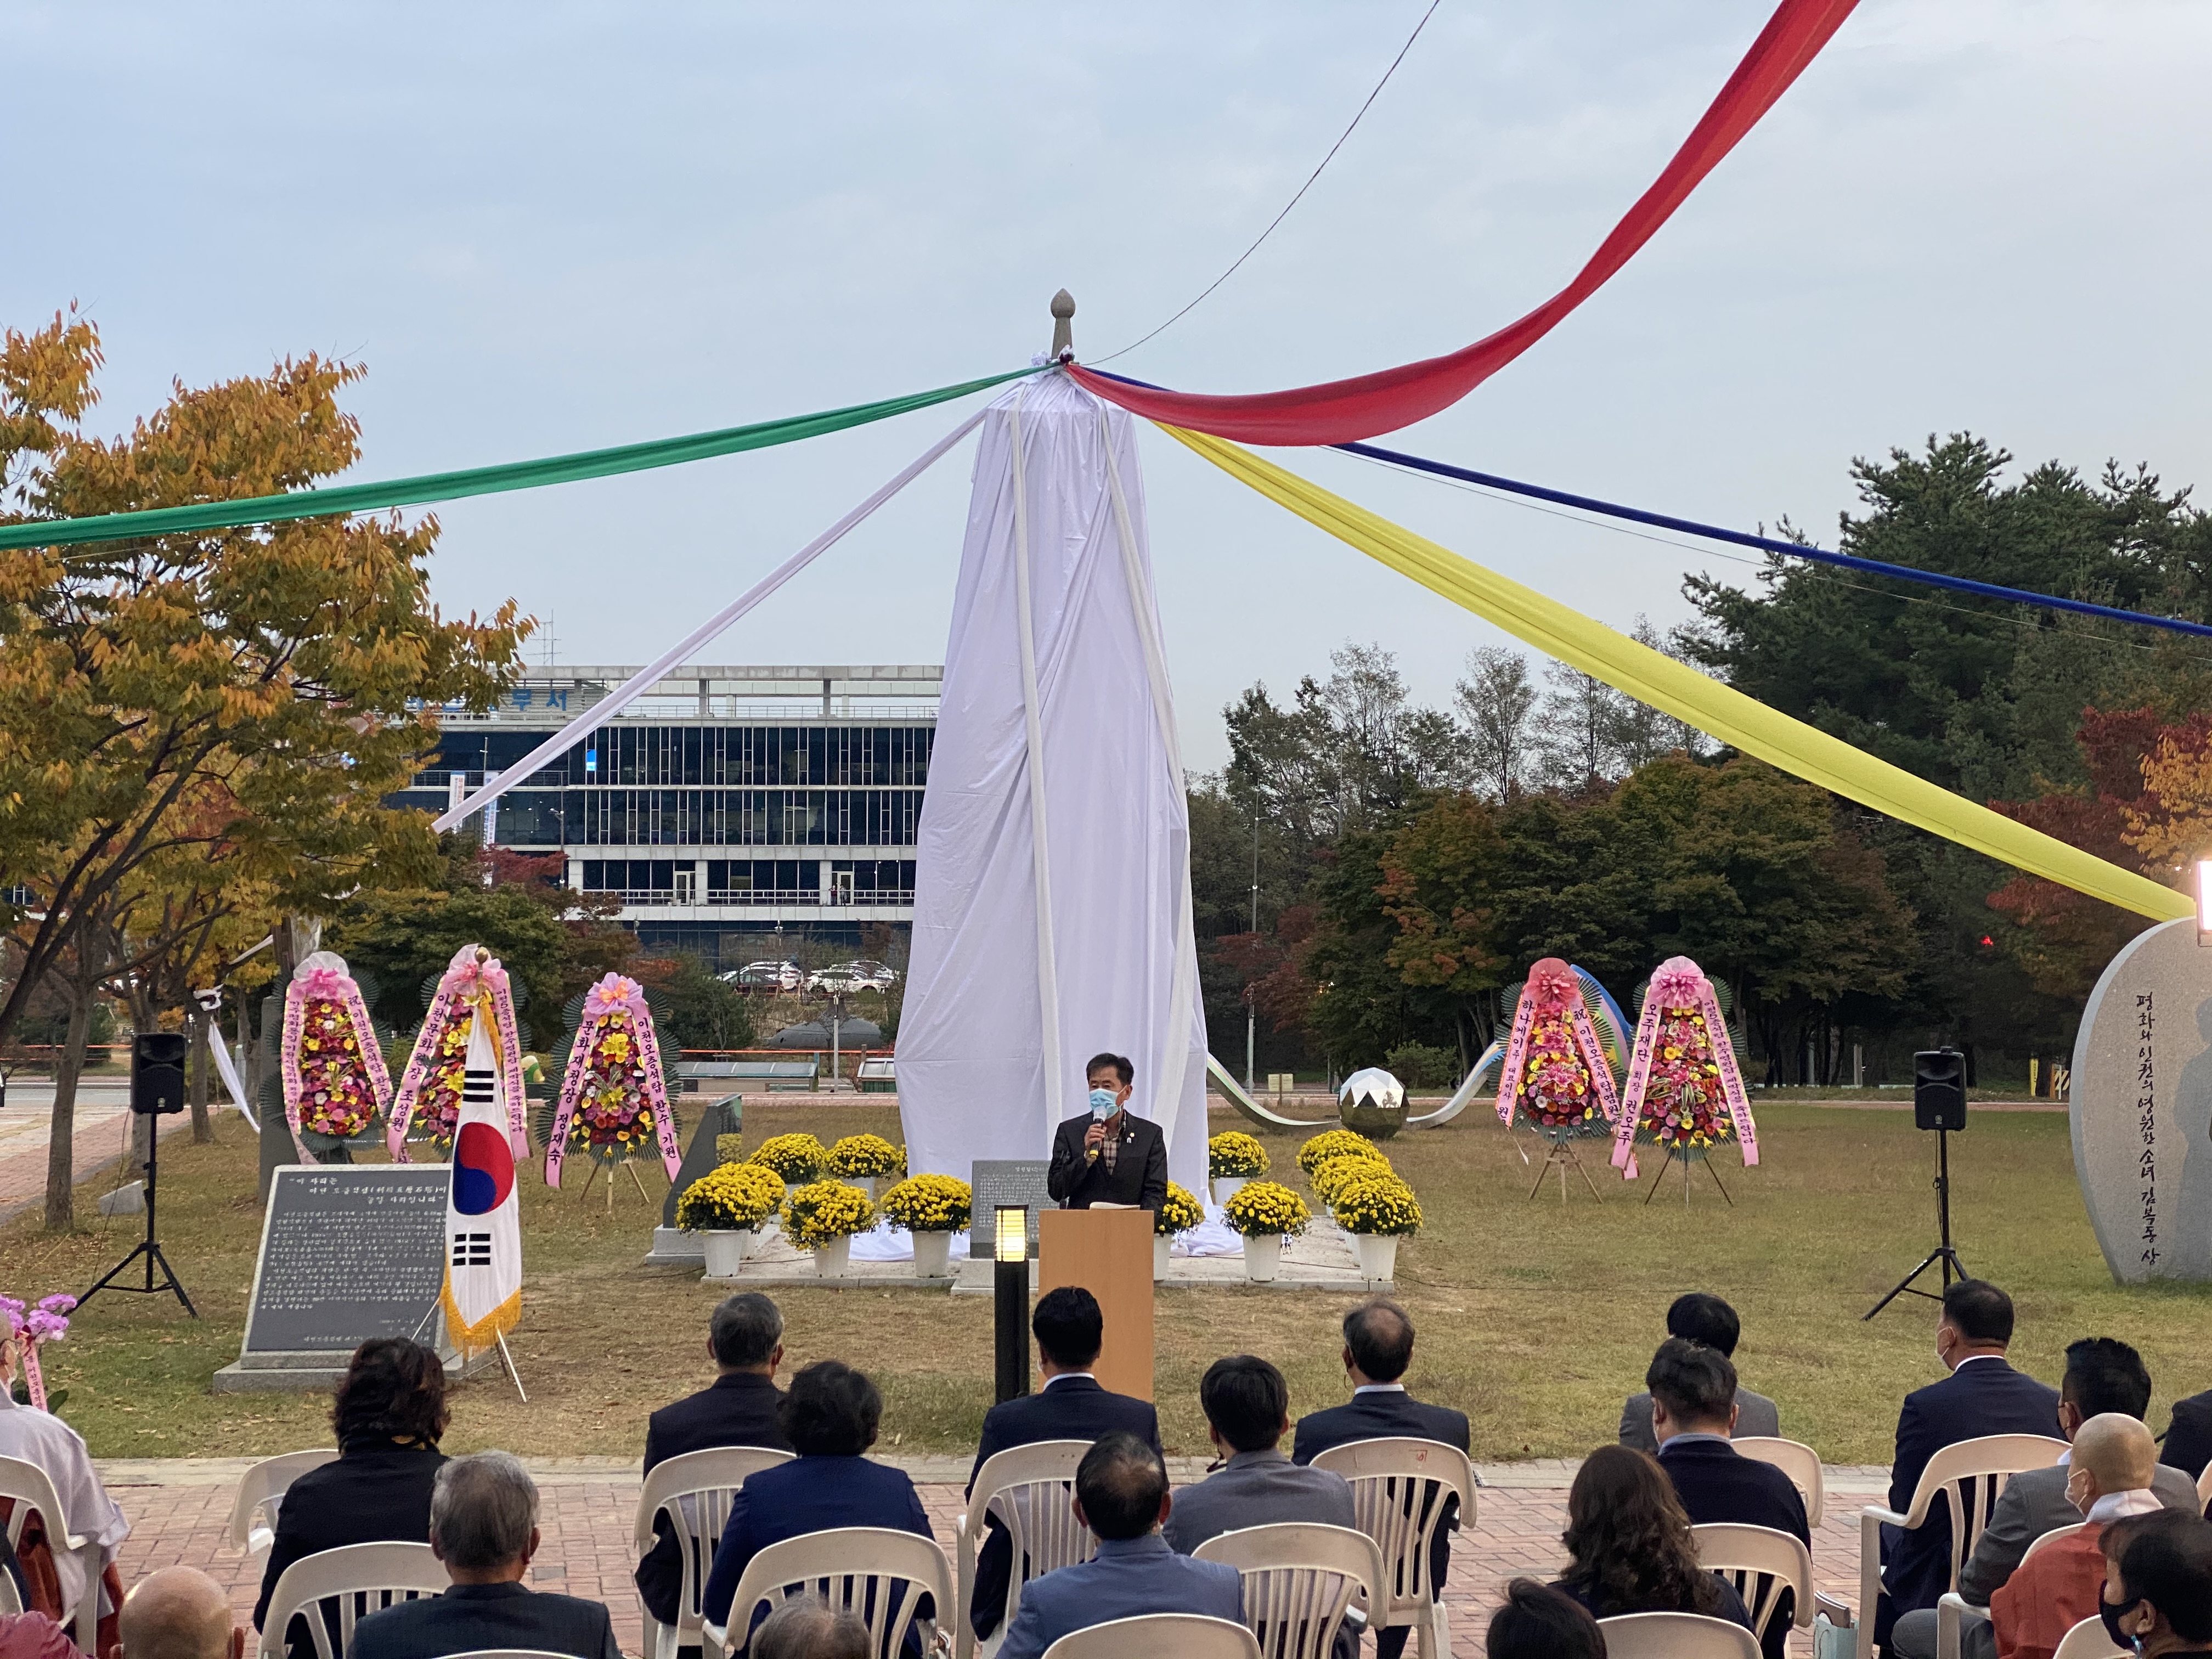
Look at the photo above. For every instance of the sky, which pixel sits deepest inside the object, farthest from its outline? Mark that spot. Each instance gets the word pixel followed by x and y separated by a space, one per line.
pixel 553 226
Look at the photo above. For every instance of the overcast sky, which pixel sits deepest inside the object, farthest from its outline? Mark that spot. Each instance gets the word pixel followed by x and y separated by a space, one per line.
pixel 547 227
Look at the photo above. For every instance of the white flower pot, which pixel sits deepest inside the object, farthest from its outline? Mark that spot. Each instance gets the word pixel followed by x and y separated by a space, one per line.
pixel 835 1259
pixel 1378 1255
pixel 726 1249
pixel 866 1183
pixel 932 1254
pixel 1224 1187
pixel 1263 1254
pixel 1160 1243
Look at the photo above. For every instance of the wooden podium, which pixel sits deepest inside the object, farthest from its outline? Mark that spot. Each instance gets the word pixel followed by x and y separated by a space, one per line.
pixel 1109 1253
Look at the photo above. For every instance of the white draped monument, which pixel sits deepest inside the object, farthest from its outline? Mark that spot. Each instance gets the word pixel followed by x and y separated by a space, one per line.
pixel 1052 898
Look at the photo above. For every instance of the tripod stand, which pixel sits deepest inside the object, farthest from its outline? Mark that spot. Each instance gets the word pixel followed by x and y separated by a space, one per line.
pixel 1943 1252
pixel 149 1247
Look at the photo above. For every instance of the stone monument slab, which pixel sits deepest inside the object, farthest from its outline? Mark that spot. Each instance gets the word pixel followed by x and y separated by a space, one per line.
pixel 993 1182
pixel 670 1243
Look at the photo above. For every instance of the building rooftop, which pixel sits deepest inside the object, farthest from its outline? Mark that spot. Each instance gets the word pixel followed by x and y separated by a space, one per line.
pixel 723 691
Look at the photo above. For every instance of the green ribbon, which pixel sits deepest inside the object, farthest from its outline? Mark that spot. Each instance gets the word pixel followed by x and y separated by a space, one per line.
pixel 477 481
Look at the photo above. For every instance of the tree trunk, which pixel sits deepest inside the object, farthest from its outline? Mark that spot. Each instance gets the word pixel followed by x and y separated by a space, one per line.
pixel 61 1146
pixel 198 1025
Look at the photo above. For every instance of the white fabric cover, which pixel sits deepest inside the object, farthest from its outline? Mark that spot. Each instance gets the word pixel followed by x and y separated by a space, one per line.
pixel 1007 996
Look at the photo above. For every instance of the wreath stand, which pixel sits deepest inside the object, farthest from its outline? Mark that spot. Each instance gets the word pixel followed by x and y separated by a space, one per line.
pixel 1563 1157
pixel 1683 1158
pixel 629 1164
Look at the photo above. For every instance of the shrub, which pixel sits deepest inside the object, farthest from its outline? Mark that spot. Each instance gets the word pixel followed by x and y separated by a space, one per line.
pixel 1266 1206
pixel 729 1149
pixel 928 1204
pixel 1331 1143
pixel 862 1156
pixel 1233 1154
pixel 731 1198
pixel 1419 1066
pixel 1381 1204
pixel 824 1212
pixel 1179 1214
pixel 1334 1175
pixel 797 1159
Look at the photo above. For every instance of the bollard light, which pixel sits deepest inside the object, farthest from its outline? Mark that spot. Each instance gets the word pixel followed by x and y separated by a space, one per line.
pixel 1010 1291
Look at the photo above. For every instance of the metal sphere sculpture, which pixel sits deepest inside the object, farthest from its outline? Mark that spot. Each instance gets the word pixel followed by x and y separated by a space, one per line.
pixel 1372 1103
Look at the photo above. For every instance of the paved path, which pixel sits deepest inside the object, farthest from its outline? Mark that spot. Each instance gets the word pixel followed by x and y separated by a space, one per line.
pixel 179 1511
pixel 102 1127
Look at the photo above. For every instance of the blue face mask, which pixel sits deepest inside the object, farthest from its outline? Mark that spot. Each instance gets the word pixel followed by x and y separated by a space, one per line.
pixel 1101 1103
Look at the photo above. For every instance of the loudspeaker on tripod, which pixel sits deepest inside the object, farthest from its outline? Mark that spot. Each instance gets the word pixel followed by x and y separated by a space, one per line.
pixel 1939 1089
pixel 157 1072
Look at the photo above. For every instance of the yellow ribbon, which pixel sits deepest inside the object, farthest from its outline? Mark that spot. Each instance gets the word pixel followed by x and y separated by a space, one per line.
pixel 1675 688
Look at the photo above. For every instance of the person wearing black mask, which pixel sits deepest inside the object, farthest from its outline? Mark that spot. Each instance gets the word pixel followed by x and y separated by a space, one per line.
pixel 2157 1600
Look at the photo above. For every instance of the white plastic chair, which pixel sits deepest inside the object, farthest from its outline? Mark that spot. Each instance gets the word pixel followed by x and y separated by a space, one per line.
pixel 1398 1491
pixel 1951 1611
pixel 1761 1562
pixel 363 1578
pixel 1300 1580
pixel 1159 1636
pixel 32 1488
pixel 2087 1640
pixel 9 1601
pixel 696 1490
pixel 853 1569
pixel 1796 1460
pixel 2203 1493
pixel 1029 1488
pixel 261 1492
pixel 1970 1476
pixel 1675 1636
pixel 511 1653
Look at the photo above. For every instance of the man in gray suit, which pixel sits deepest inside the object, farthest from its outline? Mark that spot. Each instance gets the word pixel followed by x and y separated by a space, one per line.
pixel 1699 1317
pixel 2101 1376
pixel 1248 1411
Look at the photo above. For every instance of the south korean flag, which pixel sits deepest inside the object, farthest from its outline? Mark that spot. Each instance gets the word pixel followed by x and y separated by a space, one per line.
pixel 483 1297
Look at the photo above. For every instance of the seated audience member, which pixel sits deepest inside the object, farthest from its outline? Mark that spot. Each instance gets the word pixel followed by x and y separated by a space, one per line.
pixel 1983 1396
pixel 1247 1406
pixel 1378 1346
pixel 179 1612
pixel 1628 1543
pixel 2108 1478
pixel 1070 1405
pixel 2102 1376
pixel 830 1415
pixel 807 1627
pixel 2157 1599
pixel 2188 1442
pixel 1121 1495
pixel 388 1415
pixel 1699 1317
pixel 56 1579
pixel 1535 1621
pixel 484 1526
pixel 744 1338
pixel 1694 1406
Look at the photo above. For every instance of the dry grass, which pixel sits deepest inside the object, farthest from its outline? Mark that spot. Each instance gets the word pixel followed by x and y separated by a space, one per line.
pixel 1535 1318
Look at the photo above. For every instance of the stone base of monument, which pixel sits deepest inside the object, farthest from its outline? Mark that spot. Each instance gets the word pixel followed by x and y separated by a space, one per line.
pixel 1322 1258
pixel 774 1260
pixel 319 1372
pixel 674 1248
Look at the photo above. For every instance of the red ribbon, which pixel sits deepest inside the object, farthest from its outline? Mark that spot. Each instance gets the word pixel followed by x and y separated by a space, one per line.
pixel 1344 411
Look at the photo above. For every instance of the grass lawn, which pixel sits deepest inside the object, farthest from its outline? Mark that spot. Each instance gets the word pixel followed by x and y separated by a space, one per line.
pixel 1535 1319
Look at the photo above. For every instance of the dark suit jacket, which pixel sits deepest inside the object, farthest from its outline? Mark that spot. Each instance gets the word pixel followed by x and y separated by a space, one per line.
pixel 1383 1415
pixel 736 1410
pixel 809 1494
pixel 1066 1408
pixel 2188 1436
pixel 471 1618
pixel 1140 1175
pixel 375 1493
pixel 1718 1484
pixel 1982 1397
pixel 1755 1414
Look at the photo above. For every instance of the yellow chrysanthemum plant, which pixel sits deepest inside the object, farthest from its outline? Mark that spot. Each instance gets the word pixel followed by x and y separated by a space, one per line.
pixel 1376 1205
pixel 929 1203
pixel 797 1159
pixel 1233 1155
pixel 862 1156
pixel 1332 1174
pixel 1178 1214
pixel 822 1211
pixel 1331 1143
pixel 1261 1208
pixel 730 1198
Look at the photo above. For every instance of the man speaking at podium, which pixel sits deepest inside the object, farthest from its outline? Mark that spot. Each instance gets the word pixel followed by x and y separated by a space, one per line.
pixel 1110 1156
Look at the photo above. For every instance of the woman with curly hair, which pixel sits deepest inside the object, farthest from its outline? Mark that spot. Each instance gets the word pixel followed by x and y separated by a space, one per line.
pixel 1629 1548
pixel 389 1414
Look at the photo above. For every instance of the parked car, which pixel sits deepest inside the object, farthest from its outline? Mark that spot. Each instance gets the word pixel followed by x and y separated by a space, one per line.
pixel 769 976
pixel 874 975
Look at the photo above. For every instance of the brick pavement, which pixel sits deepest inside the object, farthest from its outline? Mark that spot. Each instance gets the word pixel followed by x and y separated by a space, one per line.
pixel 98 1143
pixel 179 1513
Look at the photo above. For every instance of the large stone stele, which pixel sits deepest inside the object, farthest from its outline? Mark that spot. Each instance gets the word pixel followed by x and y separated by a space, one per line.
pixel 2142 1107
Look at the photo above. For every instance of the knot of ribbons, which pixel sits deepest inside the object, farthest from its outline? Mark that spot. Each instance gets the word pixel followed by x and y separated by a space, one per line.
pixel 325 984
pixel 30 1326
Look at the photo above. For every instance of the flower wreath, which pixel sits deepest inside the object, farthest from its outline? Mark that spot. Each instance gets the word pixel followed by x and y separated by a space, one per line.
pixel 334 1080
pixel 614 1101
pixel 1556 1077
pixel 1685 1090
pixel 427 1105
pixel 30 1326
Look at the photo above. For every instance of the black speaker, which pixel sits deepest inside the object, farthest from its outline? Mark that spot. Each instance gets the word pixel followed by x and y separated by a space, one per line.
pixel 1939 1089
pixel 157 1072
